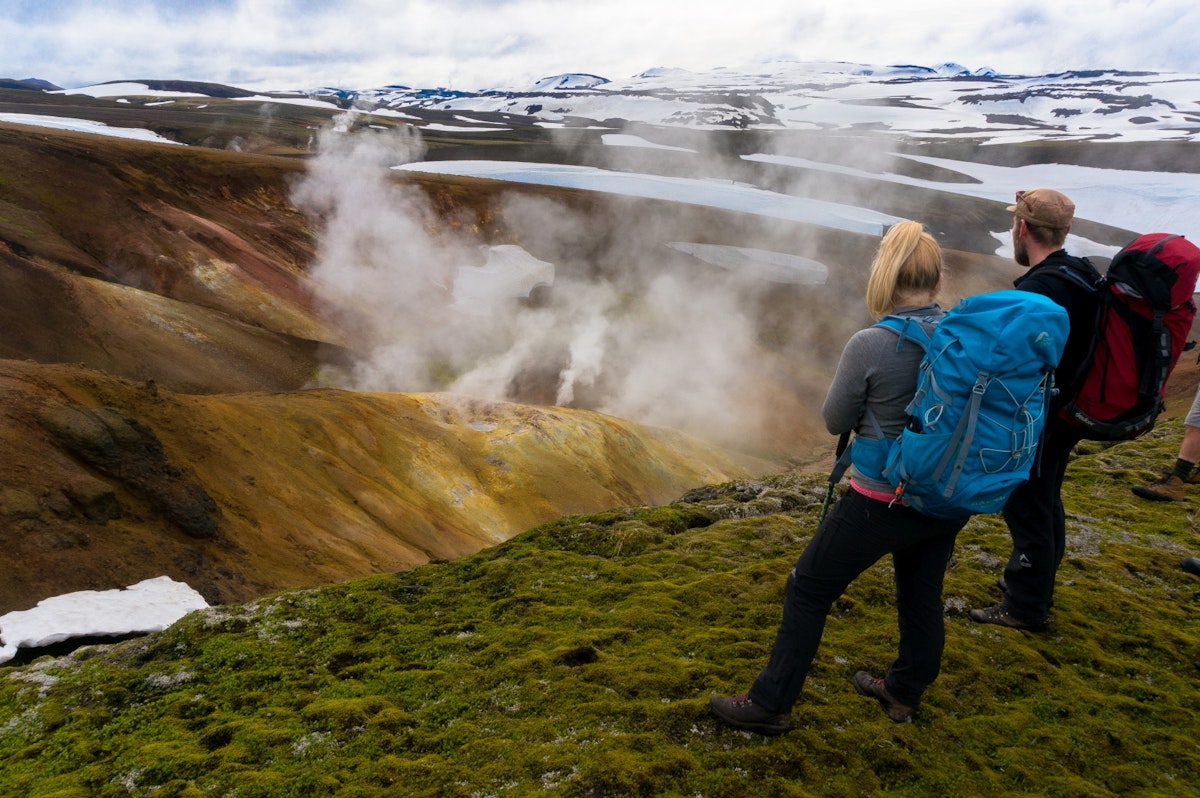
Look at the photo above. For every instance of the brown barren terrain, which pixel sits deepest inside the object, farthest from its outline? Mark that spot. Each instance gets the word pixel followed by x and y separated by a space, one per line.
pixel 157 331
pixel 108 482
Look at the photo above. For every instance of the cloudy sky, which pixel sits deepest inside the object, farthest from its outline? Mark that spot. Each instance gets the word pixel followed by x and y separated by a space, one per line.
pixel 475 44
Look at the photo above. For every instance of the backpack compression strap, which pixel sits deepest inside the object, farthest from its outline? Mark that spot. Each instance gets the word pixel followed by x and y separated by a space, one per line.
pixel 961 439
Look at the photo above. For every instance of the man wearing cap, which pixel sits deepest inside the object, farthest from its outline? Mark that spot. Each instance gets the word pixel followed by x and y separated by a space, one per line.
pixel 1034 513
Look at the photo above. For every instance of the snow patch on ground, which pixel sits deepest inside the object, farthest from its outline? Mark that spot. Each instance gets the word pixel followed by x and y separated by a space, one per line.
pixel 148 606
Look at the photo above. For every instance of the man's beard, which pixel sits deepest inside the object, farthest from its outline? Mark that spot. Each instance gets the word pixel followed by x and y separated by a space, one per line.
pixel 1020 251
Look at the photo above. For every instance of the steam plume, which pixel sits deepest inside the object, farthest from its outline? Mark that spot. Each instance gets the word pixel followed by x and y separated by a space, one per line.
pixel 652 335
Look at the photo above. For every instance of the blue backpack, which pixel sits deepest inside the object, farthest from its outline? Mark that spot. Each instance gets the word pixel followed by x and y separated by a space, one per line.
pixel 977 416
pixel 981 403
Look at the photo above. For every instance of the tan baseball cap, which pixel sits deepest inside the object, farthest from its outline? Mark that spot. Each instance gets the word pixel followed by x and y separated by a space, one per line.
pixel 1044 207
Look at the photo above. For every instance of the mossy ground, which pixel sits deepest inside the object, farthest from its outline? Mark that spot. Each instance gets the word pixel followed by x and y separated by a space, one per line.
pixel 577 660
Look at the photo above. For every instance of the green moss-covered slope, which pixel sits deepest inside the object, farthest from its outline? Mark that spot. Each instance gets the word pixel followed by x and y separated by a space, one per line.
pixel 577 660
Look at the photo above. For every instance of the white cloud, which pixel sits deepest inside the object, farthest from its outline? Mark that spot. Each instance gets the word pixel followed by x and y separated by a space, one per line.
pixel 474 44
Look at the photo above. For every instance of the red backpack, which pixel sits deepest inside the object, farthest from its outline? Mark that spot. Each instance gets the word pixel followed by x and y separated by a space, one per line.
pixel 1144 317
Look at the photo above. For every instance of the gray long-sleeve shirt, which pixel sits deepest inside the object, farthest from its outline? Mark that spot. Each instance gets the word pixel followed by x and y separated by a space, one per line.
pixel 873 374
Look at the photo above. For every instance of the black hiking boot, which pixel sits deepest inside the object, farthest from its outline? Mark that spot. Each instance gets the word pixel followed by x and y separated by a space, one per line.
pixel 1001 615
pixel 740 712
pixel 1191 565
pixel 873 687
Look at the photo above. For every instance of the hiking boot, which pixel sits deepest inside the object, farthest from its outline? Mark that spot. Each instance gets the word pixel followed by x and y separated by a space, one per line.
pixel 1001 615
pixel 1194 477
pixel 1168 488
pixel 873 687
pixel 740 712
pixel 1191 565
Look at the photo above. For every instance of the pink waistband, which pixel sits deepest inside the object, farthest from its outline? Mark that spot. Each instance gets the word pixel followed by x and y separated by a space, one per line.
pixel 877 495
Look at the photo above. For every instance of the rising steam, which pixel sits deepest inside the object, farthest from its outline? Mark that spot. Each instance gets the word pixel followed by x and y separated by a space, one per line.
pixel 653 336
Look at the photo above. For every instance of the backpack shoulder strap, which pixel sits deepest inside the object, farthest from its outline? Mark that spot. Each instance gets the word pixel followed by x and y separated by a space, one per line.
pixel 1089 276
pixel 910 328
pixel 1094 284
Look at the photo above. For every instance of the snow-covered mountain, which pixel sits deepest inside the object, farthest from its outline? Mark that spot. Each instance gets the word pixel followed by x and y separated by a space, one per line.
pixel 945 100
pixel 860 101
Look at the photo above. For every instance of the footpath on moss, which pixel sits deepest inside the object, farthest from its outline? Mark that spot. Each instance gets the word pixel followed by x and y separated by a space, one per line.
pixel 577 660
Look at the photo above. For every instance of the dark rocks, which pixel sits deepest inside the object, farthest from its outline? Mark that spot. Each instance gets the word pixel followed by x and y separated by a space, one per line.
pixel 124 449
pixel 18 504
pixel 780 493
pixel 94 499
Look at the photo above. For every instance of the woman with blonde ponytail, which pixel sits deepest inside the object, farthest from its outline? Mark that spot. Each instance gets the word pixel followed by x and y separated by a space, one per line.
pixel 875 380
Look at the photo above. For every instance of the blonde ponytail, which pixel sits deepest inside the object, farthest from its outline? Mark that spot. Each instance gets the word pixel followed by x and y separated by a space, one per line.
pixel 908 265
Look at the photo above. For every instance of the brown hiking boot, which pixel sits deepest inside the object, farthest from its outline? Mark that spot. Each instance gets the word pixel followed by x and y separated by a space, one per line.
pixel 1001 615
pixel 740 712
pixel 1168 488
pixel 873 687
